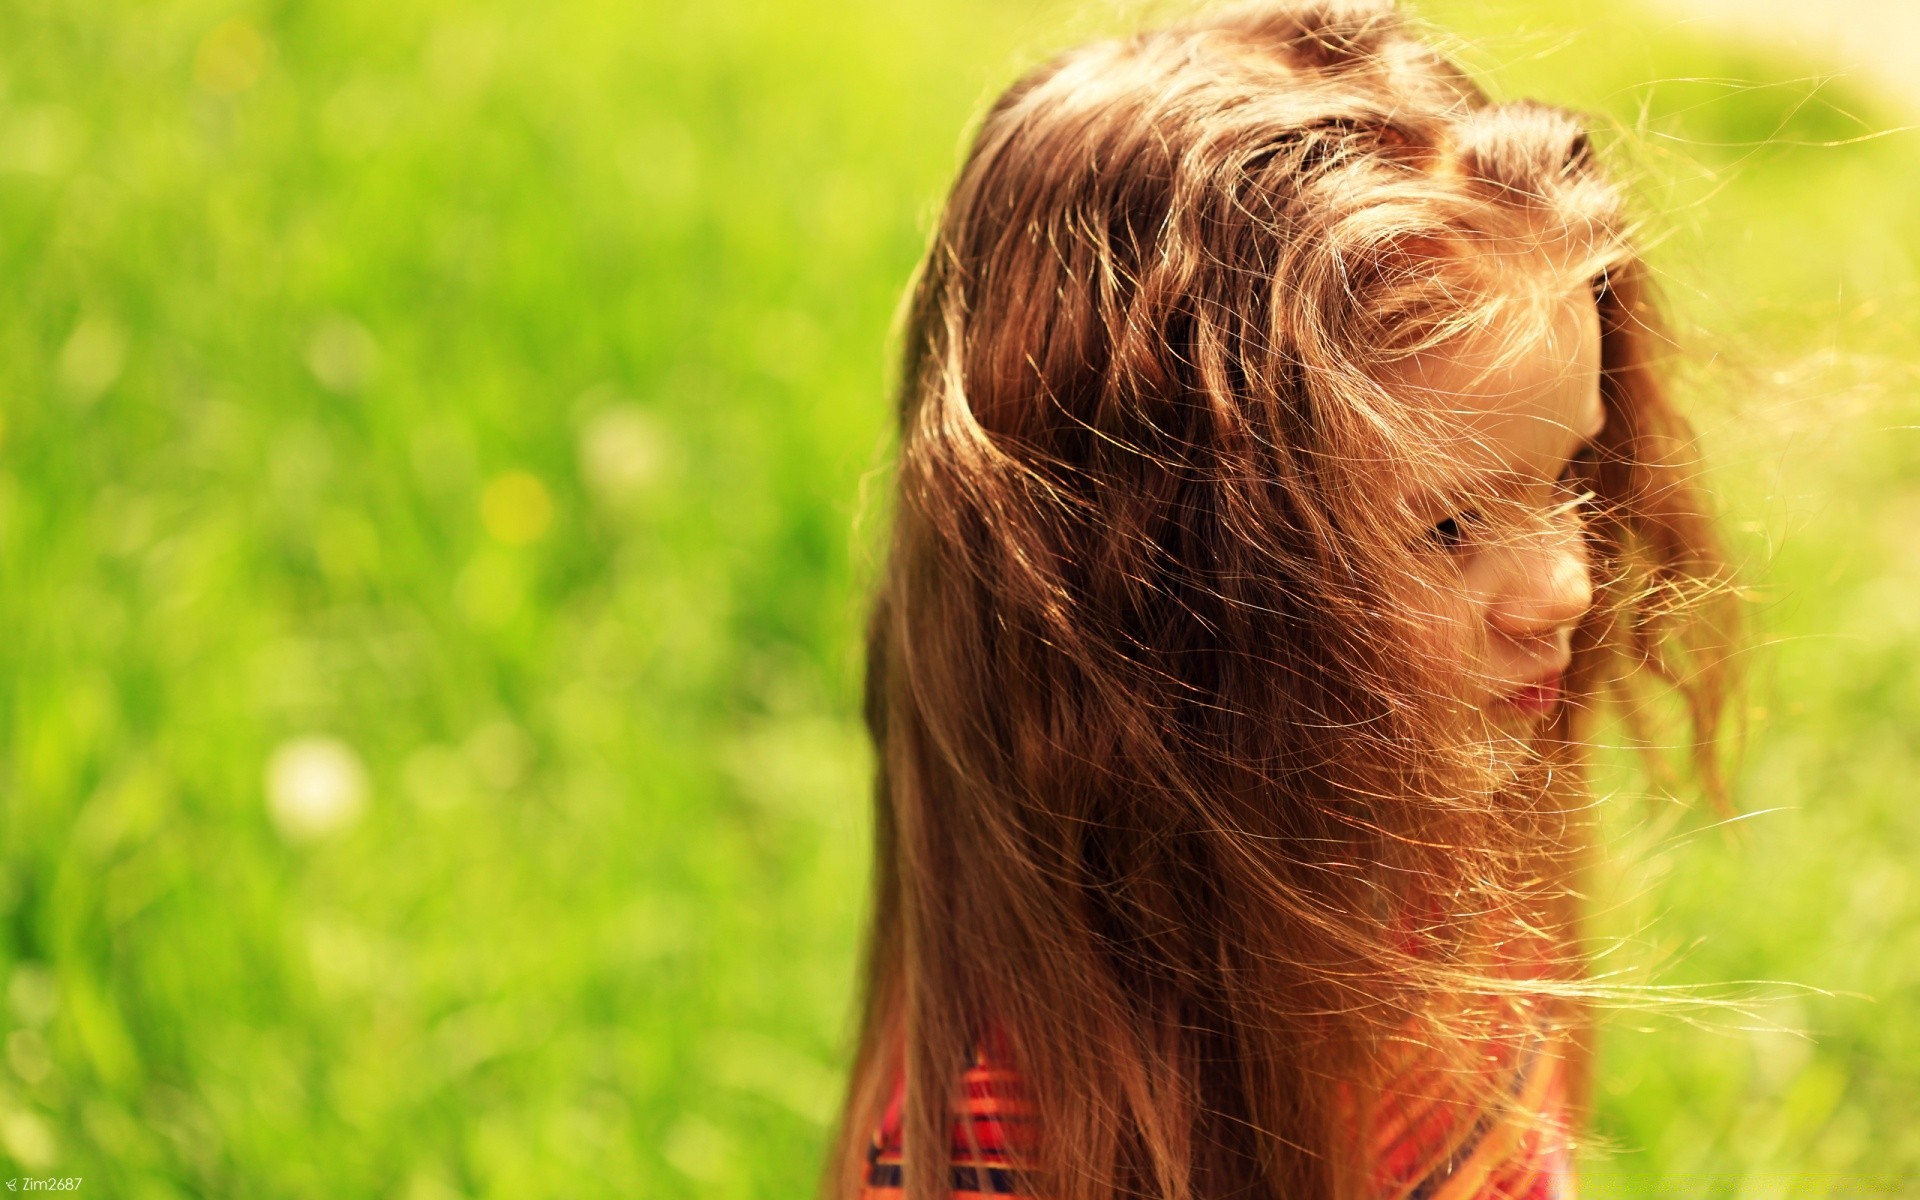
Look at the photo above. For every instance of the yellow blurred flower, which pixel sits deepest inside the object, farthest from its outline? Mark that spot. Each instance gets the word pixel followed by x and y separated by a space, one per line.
pixel 516 508
pixel 231 58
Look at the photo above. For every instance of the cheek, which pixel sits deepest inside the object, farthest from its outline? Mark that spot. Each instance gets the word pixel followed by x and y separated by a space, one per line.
pixel 1447 621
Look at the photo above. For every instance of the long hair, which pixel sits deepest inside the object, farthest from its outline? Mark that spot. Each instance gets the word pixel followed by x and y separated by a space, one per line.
pixel 1172 799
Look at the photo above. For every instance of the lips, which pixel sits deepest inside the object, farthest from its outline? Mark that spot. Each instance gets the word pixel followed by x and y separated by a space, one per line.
pixel 1536 698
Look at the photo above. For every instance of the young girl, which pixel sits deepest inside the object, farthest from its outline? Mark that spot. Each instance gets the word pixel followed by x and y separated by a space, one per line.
pixel 1285 477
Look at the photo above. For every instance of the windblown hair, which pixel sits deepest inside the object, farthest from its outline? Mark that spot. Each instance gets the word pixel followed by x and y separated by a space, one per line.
pixel 1172 798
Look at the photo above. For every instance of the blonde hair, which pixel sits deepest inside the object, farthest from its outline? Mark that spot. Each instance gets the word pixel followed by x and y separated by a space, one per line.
pixel 1169 798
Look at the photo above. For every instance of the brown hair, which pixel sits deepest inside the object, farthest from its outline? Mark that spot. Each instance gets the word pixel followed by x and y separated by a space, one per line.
pixel 1169 798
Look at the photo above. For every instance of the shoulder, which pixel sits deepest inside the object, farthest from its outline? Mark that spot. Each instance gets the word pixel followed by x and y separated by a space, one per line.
pixel 990 1129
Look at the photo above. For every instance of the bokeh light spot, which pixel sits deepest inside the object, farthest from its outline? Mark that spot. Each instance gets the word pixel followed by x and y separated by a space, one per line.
pixel 342 355
pixel 92 358
pixel 699 1149
pixel 501 754
pixel 436 778
pixel 42 140
pixel 29 1057
pixel 34 993
pixel 491 590
pixel 29 1139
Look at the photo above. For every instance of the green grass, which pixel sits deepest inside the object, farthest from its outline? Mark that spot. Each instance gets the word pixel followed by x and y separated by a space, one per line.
pixel 498 389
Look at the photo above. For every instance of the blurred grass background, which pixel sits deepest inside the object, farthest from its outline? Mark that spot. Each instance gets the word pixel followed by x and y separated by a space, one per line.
pixel 439 464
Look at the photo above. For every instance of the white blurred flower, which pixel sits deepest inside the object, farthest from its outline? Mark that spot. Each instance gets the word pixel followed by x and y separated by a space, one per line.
pixel 315 787
pixel 621 451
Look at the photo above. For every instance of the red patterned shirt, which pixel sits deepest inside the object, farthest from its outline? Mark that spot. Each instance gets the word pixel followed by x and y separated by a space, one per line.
pixel 1427 1144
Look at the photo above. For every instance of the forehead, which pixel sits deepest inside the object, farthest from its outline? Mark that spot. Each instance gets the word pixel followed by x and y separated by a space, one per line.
pixel 1515 396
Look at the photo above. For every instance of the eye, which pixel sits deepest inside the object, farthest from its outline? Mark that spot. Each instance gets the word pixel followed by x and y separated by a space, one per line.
pixel 1576 481
pixel 1451 534
pixel 1582 462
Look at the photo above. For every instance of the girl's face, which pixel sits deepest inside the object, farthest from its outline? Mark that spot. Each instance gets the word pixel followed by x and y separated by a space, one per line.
pixel 1515 408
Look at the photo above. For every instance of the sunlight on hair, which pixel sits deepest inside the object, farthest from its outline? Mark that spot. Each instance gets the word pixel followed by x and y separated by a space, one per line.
pixel 1182 710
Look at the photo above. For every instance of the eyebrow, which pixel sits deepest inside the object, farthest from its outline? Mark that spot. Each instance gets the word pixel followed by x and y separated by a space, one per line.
pixel 1427 503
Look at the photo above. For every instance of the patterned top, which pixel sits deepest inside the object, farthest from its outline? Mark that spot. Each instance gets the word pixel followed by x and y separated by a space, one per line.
pixel 993 1123
pixel 1427 1145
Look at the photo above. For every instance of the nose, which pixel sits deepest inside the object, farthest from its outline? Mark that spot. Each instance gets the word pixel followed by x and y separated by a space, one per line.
pixel 1547 586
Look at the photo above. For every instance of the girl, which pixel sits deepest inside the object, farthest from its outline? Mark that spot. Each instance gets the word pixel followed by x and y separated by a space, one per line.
pixel 1285 474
